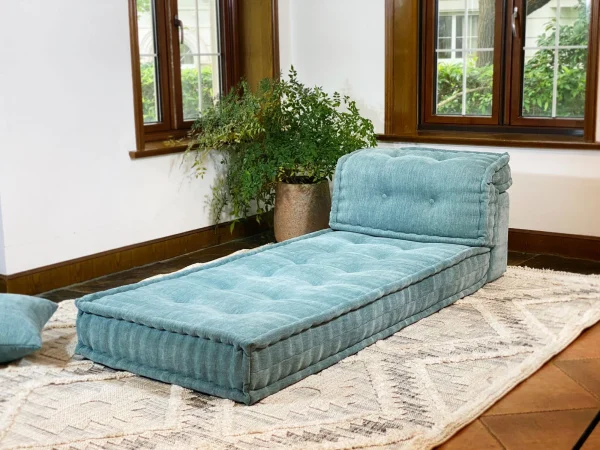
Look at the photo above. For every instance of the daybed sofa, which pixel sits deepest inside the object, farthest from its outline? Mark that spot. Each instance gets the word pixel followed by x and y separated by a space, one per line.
pixel 412 230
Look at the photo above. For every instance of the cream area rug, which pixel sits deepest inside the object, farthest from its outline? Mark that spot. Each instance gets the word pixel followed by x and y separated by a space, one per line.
pixel 410 391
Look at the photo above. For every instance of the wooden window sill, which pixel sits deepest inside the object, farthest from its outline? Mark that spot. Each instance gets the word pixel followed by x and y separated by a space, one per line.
pixel 159 148
pixel 494 140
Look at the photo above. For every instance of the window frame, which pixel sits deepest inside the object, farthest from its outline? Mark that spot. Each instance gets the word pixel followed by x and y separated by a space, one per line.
pixel 172 125
pixel 428 54
pixel 506 91
pixel 515 58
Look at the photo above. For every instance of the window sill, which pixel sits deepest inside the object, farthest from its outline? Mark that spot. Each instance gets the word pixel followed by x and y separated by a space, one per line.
pixel 159 148
pixel 431 137
pixel 494 140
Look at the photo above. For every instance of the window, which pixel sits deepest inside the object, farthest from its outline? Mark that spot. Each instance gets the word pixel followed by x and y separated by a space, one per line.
pixel 511 64
pixel 182 63
pixel 451 32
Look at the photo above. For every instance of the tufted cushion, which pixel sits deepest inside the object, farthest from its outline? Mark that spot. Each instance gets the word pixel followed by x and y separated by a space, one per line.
pixel 248 325
pixel 21 321
pixel 420 194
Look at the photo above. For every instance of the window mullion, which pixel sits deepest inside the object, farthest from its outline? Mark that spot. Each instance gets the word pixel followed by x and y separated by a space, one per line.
pixel 455 90
pixel 453 40
pixel 536 54
pixel 464 32
pixel 556 53
pixel 163 81
pixel 172 57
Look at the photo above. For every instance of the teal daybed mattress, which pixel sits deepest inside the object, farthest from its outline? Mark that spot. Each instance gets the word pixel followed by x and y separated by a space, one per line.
pixel 246 326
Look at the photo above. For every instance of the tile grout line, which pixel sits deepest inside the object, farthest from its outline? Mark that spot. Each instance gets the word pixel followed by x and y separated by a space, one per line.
pixel 491 432
pixel 539 412
pixel 576 381
pixel 528 259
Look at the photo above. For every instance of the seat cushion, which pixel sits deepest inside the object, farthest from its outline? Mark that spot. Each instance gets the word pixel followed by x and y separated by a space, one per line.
pixel 421 194
pixel 248 325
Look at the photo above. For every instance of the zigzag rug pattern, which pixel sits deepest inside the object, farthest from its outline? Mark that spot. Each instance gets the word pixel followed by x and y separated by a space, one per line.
pixel 412 390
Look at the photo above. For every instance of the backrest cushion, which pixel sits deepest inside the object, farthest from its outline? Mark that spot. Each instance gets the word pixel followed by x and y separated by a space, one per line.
pixel 421 194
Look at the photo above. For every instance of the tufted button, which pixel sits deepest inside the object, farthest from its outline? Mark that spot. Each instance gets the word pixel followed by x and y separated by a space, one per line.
pixel 383 196
pixel 431 201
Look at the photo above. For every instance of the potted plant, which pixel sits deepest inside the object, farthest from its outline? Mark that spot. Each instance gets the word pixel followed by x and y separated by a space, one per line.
pixel 279 146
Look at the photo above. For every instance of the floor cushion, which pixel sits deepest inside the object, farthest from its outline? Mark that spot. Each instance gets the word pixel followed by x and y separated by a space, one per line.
pixel 21 321
pixel 426 195
pixel 251 324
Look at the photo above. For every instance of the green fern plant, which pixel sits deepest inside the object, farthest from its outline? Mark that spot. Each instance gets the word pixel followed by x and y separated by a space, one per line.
pixel 283 131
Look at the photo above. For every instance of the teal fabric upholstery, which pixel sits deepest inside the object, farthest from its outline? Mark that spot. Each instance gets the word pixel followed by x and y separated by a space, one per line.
pixel 246 326
pixel 499 251
pixel 412 230
pixel 420 194
pixel 21 321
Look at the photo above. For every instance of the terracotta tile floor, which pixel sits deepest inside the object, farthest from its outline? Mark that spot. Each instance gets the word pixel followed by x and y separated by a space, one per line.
pixel 552 408
pixel 549 410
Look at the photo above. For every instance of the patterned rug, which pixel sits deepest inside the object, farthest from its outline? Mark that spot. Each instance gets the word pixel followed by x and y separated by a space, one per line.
pixel 410 391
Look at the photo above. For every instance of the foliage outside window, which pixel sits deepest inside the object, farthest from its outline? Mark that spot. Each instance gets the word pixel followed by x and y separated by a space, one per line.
pixel 549 63
pixel 189 86
pixel 180 61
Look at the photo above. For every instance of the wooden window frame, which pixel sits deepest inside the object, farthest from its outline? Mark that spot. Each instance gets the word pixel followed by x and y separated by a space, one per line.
pixel 515 66
pixel 405 76
pixel 506 90
pixel 150 138
pixel 428 95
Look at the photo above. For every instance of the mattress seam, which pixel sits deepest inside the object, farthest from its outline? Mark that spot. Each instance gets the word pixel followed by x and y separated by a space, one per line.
pixel 236 347
pixel 373 319
pixel 408 236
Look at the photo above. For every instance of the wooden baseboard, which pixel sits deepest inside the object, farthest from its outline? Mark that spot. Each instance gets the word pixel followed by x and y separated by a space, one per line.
pixel 2 284
pixel 86 268
pixel 567 245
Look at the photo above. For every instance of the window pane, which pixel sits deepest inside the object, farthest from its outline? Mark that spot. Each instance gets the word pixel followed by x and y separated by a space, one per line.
pixel 572 70
pixel 449 88
pixel 538 83
pixel 479 84
pixel 467 38
pixel 473 30
pixel 200 55
pixel 445 36
pixel 149 94
pixel 554 76
pixel 465 78
pixel 148 60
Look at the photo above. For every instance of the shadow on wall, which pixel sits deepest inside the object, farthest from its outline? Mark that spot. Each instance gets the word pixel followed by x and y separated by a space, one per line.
pixel 2 257
pixel 215 173
pixel 557 203
pixel 374 112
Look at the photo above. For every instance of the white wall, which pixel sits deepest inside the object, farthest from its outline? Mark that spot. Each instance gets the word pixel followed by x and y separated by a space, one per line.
pixel 339 44
pixel 68 188
pixel 67 184
pixel 2 258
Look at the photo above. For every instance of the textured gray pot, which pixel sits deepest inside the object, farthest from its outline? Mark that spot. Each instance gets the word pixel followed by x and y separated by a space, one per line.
pixel 301 209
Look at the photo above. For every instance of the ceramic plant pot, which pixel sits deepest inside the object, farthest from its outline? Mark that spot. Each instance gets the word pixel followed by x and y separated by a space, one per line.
pixel 301 209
